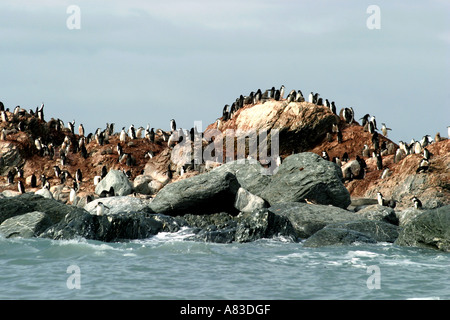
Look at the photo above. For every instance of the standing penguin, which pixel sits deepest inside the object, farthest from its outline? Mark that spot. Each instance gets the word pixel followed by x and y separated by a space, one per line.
pixel 21 187
pixel 123 135
pixel 81 130
pixel 417 203
pixel 384 130
pixel 100 208
pixel 173 125
pixel 379 161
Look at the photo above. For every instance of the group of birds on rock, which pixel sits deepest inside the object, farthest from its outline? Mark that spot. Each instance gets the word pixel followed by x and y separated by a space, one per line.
pixel 53 139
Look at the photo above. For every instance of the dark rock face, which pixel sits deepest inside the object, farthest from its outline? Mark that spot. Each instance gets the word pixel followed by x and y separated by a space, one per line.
pixel 336 236
pixel 203 194
pixel 430 229
pixel 249 175
pixel 110 228
pixel 26 225
pixel 28 202
pixel 263 223
pixel 307 219
pixel 307 176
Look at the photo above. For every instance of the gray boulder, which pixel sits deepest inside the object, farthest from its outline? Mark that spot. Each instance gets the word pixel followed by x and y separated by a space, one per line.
pixel 110 228
pixel 26 225
pixel 336 236
pixel 202 194
pixel 380 231
pixel 124 204
pixel 307 219
pixel 307 176
pixel 141 184
pixel 29 202
pixel 263 223
pixel 430 229
pixel 118 181
pixel 10 157
pixel 407 215
pixel 250 175
pixel 248 202
pixel 379 213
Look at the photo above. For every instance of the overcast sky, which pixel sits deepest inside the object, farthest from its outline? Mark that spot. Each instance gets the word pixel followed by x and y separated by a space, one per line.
pixel 138 62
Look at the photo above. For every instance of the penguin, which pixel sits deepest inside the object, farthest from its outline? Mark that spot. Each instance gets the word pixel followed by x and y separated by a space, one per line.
pixel 282 88
pixel 398 155
pixel 119 149
pixel 384 129
pixel 416 202
pixel 426 154
pixel 109 193
pixel 40 112
pixel 362 167
pixel 173 125
pixel 151 135
pixel 78 176
pixel 385 173
pixel 4 116
pixel 339 136
pixel 311 98
pixel 345 157
pixel 81 130
pixel 277 95
pixel 333 108
pixel 437 137
pixel 423 166
pixel 325 156
pixel 72 195
pixel 97 180
pixel 365 151
pixel 380 199
pixel 63 159
pixel 71 126
pixel 123 135
pixel 57 171
pixel 375 141
pixel 417 147
pixel 2 106
pixel 132 132
pixel 33 181
pixel 139 132
pixel 379 161
pixel 19 172
pixel 327 103
pixel 104 172
pixel 100 208
pixel 10 177
pixel 21 187
pixel 365 119
pixel 374 122
pixel 3 135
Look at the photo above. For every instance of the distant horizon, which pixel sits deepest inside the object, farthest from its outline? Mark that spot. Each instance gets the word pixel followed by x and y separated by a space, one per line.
pixel 146 62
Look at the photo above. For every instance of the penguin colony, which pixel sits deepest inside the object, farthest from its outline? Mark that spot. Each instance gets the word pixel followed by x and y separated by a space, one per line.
pixel 61 143
pixel 57 148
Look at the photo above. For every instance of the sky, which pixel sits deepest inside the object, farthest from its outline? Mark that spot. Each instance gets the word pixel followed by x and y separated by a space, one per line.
pixel 146 62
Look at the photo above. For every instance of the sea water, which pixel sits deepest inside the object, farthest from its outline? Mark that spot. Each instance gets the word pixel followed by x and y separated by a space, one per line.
pixel 167 266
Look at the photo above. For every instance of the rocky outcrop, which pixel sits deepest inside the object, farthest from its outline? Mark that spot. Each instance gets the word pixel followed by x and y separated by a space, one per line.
pixel 247 202
pixel 119 204
pixel 10 157
pixel 202 194
pixel 26 225
pixel 307 176
pixel 307 219
pixel 118 181
pixel 430 229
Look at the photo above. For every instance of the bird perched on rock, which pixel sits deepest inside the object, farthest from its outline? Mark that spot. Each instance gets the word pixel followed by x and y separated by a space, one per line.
pixel 417 203
pixel 384 129
pixel 100 208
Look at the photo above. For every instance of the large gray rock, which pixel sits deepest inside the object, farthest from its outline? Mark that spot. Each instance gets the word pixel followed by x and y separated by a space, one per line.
pixel 10 157
pixel 379 213
pixel 119 204
pixel 141 184
pixel 202 194
pixel 29 202
pixel 307 176
pixel 110 228
pixel 26 225
pixel 430 229
pixel 307 219
pixel 336 236
pixel 263 223
pixel 248 202
pixel 250 175
pixel 117 180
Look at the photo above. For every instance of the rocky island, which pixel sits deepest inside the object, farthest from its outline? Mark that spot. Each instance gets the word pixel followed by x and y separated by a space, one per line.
pixel 327 180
